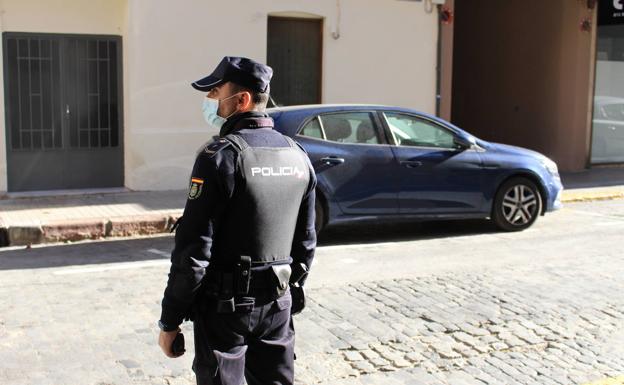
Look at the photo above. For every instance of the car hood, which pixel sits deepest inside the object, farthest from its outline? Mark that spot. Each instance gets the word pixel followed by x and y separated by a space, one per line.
pixel 513 150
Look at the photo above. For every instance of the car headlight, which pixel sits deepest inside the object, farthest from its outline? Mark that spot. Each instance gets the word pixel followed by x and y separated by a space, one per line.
pixel 550 166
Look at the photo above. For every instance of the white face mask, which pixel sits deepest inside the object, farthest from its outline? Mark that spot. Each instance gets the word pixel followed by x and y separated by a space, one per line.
pixel 210 108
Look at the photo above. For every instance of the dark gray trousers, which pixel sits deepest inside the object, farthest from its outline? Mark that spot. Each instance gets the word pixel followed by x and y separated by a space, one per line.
pixel 257 345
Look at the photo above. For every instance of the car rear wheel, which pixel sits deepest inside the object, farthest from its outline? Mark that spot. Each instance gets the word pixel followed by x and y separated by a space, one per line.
pixel 517 205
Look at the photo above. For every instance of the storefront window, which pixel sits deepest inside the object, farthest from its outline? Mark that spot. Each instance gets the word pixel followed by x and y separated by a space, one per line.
pixel 608 119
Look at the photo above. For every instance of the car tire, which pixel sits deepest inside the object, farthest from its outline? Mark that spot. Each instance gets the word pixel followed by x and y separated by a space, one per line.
pixel 319 220
pixel 517 204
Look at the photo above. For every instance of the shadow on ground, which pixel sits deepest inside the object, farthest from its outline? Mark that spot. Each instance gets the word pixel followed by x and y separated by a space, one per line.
pixel 594 177
pixel 404 231
pixel 86 253
pixel 143 249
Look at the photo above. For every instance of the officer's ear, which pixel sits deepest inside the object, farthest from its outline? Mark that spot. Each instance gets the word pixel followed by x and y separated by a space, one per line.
pixel 245 101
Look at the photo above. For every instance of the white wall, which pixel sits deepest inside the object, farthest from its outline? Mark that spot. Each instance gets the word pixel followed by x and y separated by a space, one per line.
pixel 55 16
pixel 386 54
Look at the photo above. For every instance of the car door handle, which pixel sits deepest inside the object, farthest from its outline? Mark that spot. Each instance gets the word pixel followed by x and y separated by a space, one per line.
pixel 332 160
pixel 411 163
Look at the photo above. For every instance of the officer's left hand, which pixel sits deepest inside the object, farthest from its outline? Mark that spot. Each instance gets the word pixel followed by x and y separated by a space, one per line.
pixel 165 340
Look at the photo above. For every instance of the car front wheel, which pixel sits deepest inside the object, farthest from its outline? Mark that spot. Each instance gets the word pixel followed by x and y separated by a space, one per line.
pixel 517 205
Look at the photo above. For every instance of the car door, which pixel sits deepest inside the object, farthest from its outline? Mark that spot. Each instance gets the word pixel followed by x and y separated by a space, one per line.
pixel 352 159
pixel 435 175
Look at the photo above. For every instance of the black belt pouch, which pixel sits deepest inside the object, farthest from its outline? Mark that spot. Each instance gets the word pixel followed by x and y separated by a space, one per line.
pixel 281 278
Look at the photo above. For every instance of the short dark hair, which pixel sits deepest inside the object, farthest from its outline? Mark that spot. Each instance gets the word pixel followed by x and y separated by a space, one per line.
pixel 259 99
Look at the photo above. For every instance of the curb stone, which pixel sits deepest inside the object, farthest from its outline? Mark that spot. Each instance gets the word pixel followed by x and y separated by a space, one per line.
pixel 73 230
pixel 136 225
pixel 572 197
pixel 24 235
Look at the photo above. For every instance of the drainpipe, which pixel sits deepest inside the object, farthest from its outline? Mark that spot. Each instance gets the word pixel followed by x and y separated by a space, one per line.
pixel 439 63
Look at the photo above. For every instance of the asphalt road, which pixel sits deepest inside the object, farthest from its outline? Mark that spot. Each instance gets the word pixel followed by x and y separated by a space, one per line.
pixel 412 303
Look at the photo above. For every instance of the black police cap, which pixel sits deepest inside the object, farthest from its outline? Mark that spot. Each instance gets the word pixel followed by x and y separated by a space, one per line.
pixel 240 70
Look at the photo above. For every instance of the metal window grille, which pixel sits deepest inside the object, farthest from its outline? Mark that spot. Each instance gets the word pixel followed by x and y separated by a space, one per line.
pixel 62 92
pixel 33 91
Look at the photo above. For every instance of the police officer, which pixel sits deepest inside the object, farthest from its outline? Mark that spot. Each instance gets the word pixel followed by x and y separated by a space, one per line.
pixel 246 238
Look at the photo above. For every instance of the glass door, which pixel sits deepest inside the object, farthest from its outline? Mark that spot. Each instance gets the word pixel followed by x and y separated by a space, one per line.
pixel 608 120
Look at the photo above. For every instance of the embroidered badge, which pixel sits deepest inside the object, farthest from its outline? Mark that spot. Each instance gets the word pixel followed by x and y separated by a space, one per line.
pixel 195 188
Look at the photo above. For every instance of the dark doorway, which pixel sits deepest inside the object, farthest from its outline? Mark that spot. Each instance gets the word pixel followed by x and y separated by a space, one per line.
pixel 63 111
pixel 294 50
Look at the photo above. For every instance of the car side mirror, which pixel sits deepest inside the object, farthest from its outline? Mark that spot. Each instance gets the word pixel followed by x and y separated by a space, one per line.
pixel 462 143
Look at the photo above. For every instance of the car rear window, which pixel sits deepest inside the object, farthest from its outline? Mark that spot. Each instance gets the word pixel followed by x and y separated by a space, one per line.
pixel 312 129
pixel 350 127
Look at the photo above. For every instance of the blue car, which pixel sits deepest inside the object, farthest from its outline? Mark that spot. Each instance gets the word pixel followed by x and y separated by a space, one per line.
pixel 378 163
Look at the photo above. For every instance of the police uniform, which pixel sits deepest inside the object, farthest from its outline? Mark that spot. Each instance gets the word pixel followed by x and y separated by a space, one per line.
pixel 246 235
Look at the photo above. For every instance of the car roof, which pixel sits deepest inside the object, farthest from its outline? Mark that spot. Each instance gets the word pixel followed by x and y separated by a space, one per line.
pixel 319 108
pixel 324 106
pixel 608 100
pixel 289 119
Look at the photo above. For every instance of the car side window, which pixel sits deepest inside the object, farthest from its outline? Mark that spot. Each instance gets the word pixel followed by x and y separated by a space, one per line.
pixel 312 129
pixel 350 127
pixel 412 131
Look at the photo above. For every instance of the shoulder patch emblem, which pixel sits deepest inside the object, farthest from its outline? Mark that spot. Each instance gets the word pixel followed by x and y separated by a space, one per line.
pixel 195 188
pixel 216 146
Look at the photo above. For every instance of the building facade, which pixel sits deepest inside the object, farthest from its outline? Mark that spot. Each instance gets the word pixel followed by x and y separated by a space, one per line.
pixel 97 95
pixel 97 92
pixel 547 75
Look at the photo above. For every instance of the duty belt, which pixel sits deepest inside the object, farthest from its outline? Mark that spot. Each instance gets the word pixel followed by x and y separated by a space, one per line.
pixel 226 283
pixel 241 279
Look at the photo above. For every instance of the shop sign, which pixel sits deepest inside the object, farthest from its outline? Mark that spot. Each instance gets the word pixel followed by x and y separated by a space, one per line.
pixel 611 12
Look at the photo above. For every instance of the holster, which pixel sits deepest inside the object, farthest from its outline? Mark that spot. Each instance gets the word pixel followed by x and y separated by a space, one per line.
pixel 226 305
pixel 242 274
pixel 300 272
pixel 228 287
pixel 298 298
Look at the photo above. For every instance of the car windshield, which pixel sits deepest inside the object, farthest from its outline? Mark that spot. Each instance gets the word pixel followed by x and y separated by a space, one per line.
pixel 613 111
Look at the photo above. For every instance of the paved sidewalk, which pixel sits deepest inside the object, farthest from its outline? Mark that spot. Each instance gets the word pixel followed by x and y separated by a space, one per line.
pixel 44 219
pixel 29 219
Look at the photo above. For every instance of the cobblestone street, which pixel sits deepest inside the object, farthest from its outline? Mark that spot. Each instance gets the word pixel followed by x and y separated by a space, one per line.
pixel 527 327
pixel 76 315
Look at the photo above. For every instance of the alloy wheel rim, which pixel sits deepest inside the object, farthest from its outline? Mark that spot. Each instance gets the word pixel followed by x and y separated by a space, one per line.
pixel 519 205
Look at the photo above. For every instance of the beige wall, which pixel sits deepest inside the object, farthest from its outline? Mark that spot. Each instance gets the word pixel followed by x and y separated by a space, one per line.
pixel 55 16
pixel 522 75
pixel 385 54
